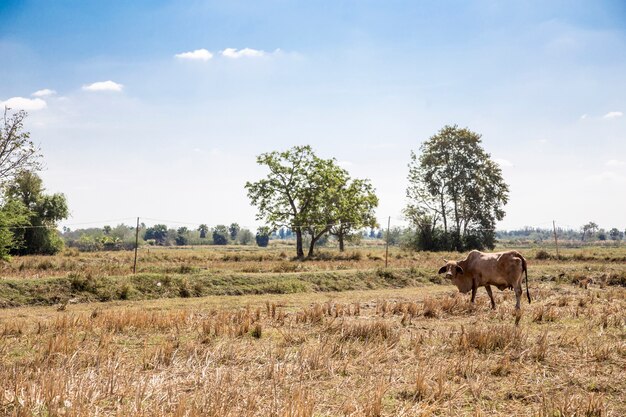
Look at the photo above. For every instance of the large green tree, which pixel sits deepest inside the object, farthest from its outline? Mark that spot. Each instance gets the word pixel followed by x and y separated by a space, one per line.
pixel 297 193
pixel 354 206
pixel 44 211
pixel 456 191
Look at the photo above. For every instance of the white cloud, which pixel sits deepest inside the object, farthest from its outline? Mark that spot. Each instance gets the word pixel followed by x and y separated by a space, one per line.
pixel 584 116
pixel 613 115
pixel 103 86
pixel 503 162
pixel 615 163
pixel 22 103
pixel 345 164
pixel 245 52
pixel 197 55
pixel 44 93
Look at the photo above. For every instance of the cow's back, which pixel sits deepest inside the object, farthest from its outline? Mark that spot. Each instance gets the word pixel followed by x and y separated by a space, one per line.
pixel 501 269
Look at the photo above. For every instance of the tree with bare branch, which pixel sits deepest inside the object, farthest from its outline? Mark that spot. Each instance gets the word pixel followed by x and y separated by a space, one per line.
pixel 18 153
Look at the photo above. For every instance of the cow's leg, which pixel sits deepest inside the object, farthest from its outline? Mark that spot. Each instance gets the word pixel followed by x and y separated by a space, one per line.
pixel 518 296
pixel 474 288
pixel 493 303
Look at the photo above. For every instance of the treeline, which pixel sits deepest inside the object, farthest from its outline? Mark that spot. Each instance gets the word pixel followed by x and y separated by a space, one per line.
pixel 122 236
pixel 589 232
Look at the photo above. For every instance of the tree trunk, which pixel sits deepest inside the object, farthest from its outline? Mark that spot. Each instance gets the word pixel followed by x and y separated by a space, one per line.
pixel 443 213
pixel 313 240
pixel 299 248
pixel 341 246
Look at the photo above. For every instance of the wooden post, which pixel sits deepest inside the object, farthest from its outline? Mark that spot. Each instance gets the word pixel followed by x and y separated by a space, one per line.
pixel 136 246
pixel 387 245
pixel 556 242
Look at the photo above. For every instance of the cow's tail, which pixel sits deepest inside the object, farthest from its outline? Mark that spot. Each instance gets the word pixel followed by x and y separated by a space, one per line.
pixel 525 269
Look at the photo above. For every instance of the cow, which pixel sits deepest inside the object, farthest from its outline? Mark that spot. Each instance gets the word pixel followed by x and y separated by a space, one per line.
pixel 502 270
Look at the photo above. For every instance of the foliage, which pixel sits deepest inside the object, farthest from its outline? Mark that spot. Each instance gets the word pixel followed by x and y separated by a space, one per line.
pixel 354 204
pixel 203 229
pixel 589 229
pixel 40 235
pixel 263 236
pixel 182 236
pixel 301 192
pixel 616 234
pixel 245 237
pixel 12 214
pixel 158 233
pixel 456 192
pixel 233 230
pixel 17 152
pixel 121 237
pixel 220 235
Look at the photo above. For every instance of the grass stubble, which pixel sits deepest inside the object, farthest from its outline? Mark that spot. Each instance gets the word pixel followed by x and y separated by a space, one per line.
pixel 411 352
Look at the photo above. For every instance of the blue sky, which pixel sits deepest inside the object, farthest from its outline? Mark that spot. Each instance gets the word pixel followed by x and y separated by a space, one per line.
pixel 134 127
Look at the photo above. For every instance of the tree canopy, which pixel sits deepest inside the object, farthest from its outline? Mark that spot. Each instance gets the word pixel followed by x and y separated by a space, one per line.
pixel 43 212
pixel 456 192
pixel 354 205
pixel 302 192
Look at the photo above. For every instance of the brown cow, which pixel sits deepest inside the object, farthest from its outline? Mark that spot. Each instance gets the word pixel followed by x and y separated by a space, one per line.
pixel 503 270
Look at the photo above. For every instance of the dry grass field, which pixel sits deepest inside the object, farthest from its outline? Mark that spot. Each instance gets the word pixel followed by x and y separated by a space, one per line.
pixel 412 347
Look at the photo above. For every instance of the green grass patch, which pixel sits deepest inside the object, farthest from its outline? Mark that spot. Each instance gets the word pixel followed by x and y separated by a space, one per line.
pixel 149 286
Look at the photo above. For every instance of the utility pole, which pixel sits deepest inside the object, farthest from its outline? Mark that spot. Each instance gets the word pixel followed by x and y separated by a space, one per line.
pixel 556 242
pixel 136 246
pixel 387 246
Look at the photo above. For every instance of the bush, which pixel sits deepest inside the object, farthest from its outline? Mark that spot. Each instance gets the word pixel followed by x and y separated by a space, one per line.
pixel 542 254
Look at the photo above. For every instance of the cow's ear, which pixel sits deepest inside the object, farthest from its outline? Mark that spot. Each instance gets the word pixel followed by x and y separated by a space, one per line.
pixel 443 269
pixel 459 270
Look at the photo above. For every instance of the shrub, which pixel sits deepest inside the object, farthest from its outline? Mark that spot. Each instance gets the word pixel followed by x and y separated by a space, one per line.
pixel 542 254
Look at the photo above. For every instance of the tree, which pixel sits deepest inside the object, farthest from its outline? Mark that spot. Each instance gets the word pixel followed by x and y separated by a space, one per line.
pixel 245 237
pixel 456 187
pixel 44 211
pixel 203 229
pixel 158 233
pixel 615 234
pixel 182 236
pixel 233 230
pixel 263 236
pixel 589 229
pixel 297 193
pixel 355 204
pixel 106 230
pixel 220 235
pixel 17 151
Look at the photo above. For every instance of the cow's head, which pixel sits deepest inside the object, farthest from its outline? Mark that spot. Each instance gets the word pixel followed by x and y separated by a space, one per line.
pixel 451 269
